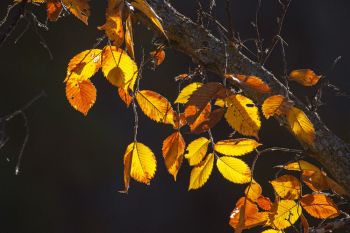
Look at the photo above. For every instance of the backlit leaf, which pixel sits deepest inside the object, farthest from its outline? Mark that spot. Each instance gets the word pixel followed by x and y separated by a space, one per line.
pixel 81 94
pixel 119 69
pixel 264 202
pixel 243 115
pixel 208 123
pixel 272 231
pixel 143 162
pixel 250 81
pixel 196 150
pixel 54 9
pixel 287 187
pixel 173 150
pixel 127 168
pixel 300 125
pixel 305 77
pixel 84 65
pixel 319 206
pixel 124 95
pixel 200 120
pixel 155 106
pixel 201 172
pixel 187 91
pixel 79 8
pixel 284 213
pixel 234 170
pixel 253 191
pixel 158 56
pixel 236 147
pixel 275 105
pixel 129 37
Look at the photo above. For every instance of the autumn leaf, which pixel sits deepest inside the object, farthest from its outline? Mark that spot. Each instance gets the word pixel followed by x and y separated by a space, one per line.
pixel 201 172
pixel 236 147
pixel 208 122
pixel 234 170
pixel 284 213
pixel 119 69
pixel 200 120
pixel 84 65
pixel 253 191
pixel 155 106
pixel 305 224
pixel 179 120
pixel 173 150
pixel 319 206
pixel 79 8
pixel 158 56
pixel 246 215
pixel 305 77
pixel 301 126
pixel 114 22
pixel 287 187
pixel 264 203
pixel 276 105
pixel 250 81
pixel 129 37
pixel 196 150
pixel 272 231
pixel 143 162
pixel 54 9
pixel 182 77
pixel 146 9
pixel 124 96
pixel 81 94
pixel 127 168
pixel 243 115
pixel 186 92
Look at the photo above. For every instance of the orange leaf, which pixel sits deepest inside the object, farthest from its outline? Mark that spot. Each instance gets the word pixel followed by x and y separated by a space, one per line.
pixel 181 77
pixel 79 8
pixel 124 95
pixel 276 105
pixel 158 56
pixel 129 38
pixel 213 118
pixel 201 118
pixel 264 203
pixel 54 9
pixel 81 94
pixel 305 77
pixel 250 81
pixel 173 150
pixel 319 206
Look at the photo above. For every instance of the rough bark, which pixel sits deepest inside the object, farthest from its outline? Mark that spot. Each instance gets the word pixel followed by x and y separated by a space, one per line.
pixel 207 50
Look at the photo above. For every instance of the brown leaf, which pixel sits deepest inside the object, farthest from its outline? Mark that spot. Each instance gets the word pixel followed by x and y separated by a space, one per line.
pixel 158 56
pixel 213 118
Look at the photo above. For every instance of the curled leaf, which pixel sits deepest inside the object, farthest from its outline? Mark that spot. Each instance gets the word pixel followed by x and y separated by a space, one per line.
pixel 305 77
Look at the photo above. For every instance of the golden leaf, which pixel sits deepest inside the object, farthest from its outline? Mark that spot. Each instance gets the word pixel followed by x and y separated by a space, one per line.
pixel 173 150
pixel 234 170
pixel 84 65
pixel 81 94
pixel 287 187
pixel 243 115
pixel 143 162
pixel 236 147
pixel 196 150
pixel 301 126
pixel 272 231
pixel 250 81
pixel 129 37
pixel 155 106
pixel 187 91
pixel 79 8
pixel 119 69
pixel 305 77
pixel 284 213
pixel 276 105
pixel 319 206
pixel 127 168
pixel 146 9
pixel 253 191
pixel 201 172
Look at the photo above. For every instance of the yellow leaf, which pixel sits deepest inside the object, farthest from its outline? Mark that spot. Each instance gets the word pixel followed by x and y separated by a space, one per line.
pixel 284 213
pixel 143 162
pixel 272 231
pixel 119 69
pixel 201 172
pixel 275 105
pixel 319 206
pixel 114 24
pixel 155 106
pixel 287 187
pixel 234 170
pixel 79 8
pixel 220 103
pixel 305 77
pixel 301 126
pixel 173 150
pixel 253 191
pixel 84 65
pixel 127 168
pixel 129 37
pixel 146 9
pixel 81 94
pixel 196 150
pixel 301 165
pixel 243 115
pixel 187 91
pixel 236 147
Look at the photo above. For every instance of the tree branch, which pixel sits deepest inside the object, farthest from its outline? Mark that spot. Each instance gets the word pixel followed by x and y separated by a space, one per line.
pixel 204 48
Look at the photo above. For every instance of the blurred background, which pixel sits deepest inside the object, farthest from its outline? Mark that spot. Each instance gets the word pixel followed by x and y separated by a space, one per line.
pixel 72 166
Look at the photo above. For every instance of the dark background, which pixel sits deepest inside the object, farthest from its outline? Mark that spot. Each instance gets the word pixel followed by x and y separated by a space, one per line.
pixel 72 165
